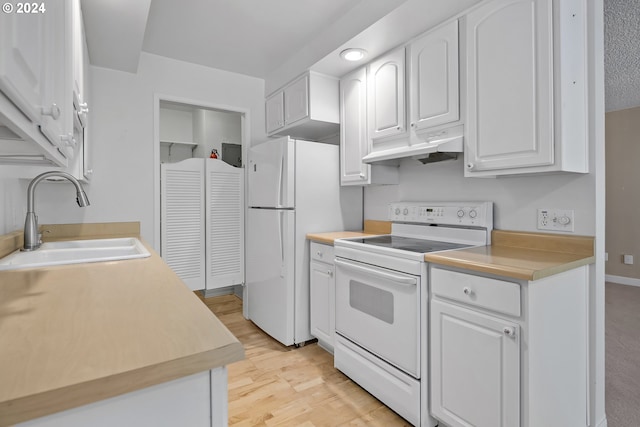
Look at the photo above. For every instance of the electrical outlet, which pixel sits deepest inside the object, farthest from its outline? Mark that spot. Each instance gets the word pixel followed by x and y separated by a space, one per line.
pixel 555 219
pixel 627 259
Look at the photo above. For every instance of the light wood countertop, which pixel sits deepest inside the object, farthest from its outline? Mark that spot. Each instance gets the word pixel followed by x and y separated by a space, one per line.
pixel 371 227
pixel 77 334
pixel 519 255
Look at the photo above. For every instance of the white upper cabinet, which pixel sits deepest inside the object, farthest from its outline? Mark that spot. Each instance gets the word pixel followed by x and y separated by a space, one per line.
pixel 354 144
pixel 36 102
pixel 434 94
pixel 80 65
pixel 274 112
pixel 56 121
pixel 80 164
pixel 306 108
pixel 386 89
pixel 22 60
pixel 432 90
pixel 526 87
pixel 296 100
pixel 354 141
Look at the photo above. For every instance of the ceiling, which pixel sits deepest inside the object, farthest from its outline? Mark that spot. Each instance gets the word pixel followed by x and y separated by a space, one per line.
pixel 622 54
pixel 278 39
pixel 251 37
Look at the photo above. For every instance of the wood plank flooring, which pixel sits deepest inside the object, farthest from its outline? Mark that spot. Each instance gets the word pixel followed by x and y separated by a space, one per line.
pixel 286 386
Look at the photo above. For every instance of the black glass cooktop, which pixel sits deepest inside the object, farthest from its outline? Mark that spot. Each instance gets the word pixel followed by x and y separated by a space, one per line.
pixel 409 244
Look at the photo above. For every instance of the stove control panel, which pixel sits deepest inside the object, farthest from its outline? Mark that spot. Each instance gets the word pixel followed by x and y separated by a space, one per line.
pixel 469 214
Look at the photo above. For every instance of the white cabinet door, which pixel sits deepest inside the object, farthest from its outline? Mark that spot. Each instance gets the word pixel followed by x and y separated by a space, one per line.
pixel 475 368
pixel 322 301
pixel 510 85
pixel 274 111
pixel 56 122
pixel 385 98
pixel 22 58
pixel 354 144
pixel 434 83
pixel 296 100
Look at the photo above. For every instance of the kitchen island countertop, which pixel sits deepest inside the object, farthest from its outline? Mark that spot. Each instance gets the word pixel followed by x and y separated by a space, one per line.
pixel 76 334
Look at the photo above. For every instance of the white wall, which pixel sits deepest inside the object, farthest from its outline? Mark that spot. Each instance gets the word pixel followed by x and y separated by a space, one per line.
pixel 176 125
pixel 212 128
pixel 516 199
pixel 122 134
pixel 13 205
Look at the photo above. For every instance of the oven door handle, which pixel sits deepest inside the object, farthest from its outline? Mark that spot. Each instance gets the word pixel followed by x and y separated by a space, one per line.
pixel 403 280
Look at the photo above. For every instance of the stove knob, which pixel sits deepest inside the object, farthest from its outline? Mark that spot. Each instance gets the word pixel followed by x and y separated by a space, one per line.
pixel 405 211
pixel 460 213
pixel 473 213
pixel 397 211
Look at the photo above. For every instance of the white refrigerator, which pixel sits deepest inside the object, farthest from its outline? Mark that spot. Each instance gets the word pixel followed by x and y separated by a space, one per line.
pixel 293 189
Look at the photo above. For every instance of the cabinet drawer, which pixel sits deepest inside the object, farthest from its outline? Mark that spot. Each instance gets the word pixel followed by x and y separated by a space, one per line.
pixel 491 294
pixel 320 252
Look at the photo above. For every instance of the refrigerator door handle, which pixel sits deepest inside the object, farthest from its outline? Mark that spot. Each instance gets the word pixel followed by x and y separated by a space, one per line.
pixel 281 238
pixel 281 180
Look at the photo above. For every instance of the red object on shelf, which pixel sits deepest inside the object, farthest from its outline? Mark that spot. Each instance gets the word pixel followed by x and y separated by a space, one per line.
pixel 214 154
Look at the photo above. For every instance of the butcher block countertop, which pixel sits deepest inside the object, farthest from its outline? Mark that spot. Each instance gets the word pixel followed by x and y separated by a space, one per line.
pixel 75 334
pixel 521 255
pixel 371 227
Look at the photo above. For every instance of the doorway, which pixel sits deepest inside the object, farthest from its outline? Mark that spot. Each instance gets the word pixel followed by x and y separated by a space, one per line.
pixel 187 128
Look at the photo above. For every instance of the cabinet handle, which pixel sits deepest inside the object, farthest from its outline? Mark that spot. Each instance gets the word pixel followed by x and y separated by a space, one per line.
pixel 362 176
pixel 413 125
pixel 53 111
pixel 319 254
pixel 398 128
pixel 467 290
pixel 330 273
pixel 470 166
pixel 509 331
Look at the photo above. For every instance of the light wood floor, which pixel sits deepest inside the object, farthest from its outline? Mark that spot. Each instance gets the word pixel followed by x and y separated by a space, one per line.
pixel 285 386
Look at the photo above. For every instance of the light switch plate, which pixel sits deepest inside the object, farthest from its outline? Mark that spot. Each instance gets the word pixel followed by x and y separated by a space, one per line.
pixel 555 219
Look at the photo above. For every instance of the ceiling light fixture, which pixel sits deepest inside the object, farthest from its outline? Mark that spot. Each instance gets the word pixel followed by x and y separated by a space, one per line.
pixel 353 54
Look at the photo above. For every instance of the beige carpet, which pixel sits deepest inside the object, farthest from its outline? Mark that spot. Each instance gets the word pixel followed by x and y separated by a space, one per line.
pixel 622 352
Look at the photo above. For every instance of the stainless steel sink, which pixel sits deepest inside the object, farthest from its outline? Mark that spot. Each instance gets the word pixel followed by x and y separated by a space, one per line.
pixel 76 252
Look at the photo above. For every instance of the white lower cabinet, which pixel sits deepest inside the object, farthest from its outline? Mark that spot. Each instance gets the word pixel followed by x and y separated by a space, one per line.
pixel 476 372
pixel 322 295
pixel 198 400
pixel 507 352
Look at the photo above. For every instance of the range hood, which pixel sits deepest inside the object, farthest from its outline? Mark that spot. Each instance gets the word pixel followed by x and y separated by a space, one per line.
pixel 446 141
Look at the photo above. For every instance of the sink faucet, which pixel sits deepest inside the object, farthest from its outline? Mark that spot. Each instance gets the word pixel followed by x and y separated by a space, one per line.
pixel 31 236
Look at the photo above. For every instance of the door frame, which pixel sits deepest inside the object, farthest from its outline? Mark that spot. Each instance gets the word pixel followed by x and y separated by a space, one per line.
pixel 245 130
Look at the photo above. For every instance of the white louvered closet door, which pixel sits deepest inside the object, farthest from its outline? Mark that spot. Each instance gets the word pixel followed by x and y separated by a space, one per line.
pixel 182 220
pixel 225 224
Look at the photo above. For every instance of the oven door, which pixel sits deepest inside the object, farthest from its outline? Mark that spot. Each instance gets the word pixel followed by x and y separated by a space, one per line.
pixel 379 310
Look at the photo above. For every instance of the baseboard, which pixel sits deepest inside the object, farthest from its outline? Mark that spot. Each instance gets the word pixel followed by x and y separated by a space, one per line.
pixel 228 290
pixel 603 422
pixel 621 280
pixel 238 290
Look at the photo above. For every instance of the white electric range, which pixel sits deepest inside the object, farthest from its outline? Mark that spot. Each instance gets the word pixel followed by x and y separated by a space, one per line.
pixel 382 294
